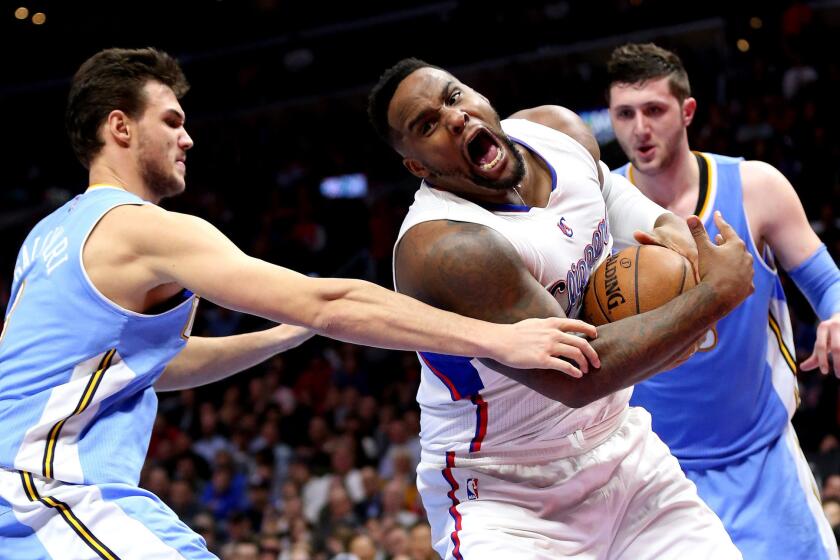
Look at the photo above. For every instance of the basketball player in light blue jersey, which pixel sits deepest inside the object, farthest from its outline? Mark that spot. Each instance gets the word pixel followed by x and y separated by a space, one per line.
pixel 725 413
pixel 104 293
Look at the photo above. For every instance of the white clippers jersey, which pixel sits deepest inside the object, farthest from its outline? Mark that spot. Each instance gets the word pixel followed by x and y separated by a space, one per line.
pixel 469 408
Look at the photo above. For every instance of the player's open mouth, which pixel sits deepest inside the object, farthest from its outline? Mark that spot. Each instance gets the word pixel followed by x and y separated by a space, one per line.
pixel 645 151
pixel 484 151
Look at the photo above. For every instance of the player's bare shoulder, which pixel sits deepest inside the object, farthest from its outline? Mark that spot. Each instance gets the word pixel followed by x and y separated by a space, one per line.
pixel 438 248
pixel 765 190
pixel 444 262
pixel 775 213
pixel 566 121
pixel 147 229
pixel 757 175
pixel 113 254
pixel 113 237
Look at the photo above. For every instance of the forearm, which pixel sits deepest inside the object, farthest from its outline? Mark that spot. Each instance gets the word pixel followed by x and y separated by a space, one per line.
pixel 818 278
pixel 638 347
pixel 350 310
pixel 632 350
pixel 205 360
pixel 365 313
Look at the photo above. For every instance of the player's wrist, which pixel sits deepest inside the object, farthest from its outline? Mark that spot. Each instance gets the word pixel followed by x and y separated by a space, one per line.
pixel 493 342
pixel 719 296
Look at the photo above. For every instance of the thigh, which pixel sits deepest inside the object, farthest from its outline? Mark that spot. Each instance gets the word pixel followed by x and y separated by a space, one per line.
pixel 518 512
pixel 663 517
pixel 769 504
pixel 93 522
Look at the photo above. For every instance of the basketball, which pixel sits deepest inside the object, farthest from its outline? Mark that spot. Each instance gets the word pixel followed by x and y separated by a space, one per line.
pixel 635 280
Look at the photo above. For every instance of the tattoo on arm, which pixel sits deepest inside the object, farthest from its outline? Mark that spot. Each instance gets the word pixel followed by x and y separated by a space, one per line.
pixel 472 270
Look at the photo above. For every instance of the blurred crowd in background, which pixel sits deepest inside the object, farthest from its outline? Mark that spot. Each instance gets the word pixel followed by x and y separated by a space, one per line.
pixel 313 454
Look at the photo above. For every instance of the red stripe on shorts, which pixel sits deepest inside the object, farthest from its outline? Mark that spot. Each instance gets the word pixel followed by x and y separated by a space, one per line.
pixel 453 511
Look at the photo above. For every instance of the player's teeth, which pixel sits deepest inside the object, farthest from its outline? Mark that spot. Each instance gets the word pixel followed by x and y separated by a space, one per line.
pixel 491 164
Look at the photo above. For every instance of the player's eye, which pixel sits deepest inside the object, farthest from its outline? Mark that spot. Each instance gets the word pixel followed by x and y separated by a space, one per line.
pixel 454 97
pixel 427 127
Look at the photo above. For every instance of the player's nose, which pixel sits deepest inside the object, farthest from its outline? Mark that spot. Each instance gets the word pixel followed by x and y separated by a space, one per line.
pixel 455 119
pixel 185 142
pixel 641 126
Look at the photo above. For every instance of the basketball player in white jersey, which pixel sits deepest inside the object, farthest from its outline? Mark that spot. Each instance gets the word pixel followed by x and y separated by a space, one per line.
pixel 104 292
pixel 509 221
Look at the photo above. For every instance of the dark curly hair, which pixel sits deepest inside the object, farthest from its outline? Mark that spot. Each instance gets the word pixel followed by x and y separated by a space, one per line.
pixel 114 79
pixel 381 94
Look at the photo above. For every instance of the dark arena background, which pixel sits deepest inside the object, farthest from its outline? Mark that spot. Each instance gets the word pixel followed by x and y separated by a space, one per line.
pixel 296 458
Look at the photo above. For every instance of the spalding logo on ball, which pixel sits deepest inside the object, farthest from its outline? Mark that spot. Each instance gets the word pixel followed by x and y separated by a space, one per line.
pixel 636 280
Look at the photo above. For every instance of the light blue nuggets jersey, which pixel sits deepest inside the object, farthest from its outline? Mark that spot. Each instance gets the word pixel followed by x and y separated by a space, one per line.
pixel 76 370
pixel 724 404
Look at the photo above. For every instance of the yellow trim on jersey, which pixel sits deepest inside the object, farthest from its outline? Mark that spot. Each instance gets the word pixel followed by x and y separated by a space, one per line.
pixel 104 186
pixel 812 482
pixel 187 330
pixel 12 310
pixel 29 486
pixel 788 356
pixel 49 452
pixel 87 395
pixel 80 528
pixel 64 510
pixel 711 179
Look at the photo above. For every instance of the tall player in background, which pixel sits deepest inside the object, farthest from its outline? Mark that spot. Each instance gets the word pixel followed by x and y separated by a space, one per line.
pixel 102 304
pixel 509 221
pixel 725 413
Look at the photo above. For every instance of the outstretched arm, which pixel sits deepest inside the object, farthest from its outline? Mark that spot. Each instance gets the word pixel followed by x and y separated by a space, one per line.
pixel 208 359
pixel 189 252
pixel 799 251
pixel 473 270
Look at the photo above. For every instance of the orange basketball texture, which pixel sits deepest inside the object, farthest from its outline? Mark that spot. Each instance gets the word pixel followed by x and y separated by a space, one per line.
pixel 635 280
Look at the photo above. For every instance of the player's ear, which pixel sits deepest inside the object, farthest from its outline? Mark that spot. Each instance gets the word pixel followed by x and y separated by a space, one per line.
pixel 415 168
pixel 118 127
pixel 689 108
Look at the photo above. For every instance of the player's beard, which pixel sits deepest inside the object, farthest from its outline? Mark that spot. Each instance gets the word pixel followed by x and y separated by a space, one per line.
pixel 158 177
pixel 502 184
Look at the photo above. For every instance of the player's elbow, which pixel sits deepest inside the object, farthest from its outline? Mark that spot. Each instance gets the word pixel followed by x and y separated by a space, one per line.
pixel 327 319
pixel 590 388
pixel 326 311
pixel 554 385
pixel 345 307
pixel 578 398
